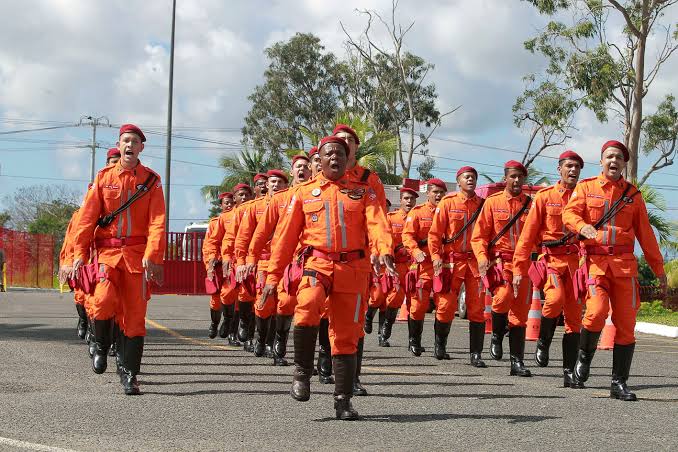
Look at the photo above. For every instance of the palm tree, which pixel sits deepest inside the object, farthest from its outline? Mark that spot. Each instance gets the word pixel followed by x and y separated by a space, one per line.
pixel 666 230
pixel 239 168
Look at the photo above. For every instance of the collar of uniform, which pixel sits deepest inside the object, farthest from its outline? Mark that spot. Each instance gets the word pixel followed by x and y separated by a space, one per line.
pixel 562 189
pixel 430 205
pixel 323 181
pixel 465 198
pixel 509 196
pixel 602 180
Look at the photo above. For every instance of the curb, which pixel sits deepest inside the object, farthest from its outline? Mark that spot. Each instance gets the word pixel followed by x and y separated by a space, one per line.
pixel 30 289
pixel 655 328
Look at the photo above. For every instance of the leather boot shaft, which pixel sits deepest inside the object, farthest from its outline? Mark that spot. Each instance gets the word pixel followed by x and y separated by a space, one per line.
pixel 283 324
pixel 499 324
pixel 517 351
pixel 304 348
pixel 570 347
pixel 102 338
pixel 622 357
pixel 215 316
pixel 369 318
pixel 476 332
pixel 133 352
pixel 588 341
pixel 358 388
pixel 546 331
pixel 441 331
pixel 416 330
pixel 345 368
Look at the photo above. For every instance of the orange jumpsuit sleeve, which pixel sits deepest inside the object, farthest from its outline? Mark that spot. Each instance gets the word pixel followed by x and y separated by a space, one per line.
pixel 157 239
pixel 528 236
pixel 242 239
pixel 87 222
pixel 437 231
pixel 378 228
pixel 264 230
pixel 410 233
pixel 66 253
pixel 573 213
pixel 228 242
pixel 647 239
pixel 482 232
pixel 288 231
pixel 210 243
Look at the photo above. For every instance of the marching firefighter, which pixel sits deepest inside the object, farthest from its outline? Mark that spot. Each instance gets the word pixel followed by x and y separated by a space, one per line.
pixel 243 327
pixel 454 264
pixel 276 181
pixel 415 240
pixel 329 217
pixel 558 260
pixel 222 299
pixel 377 300
pixel 65 269
pixel 264 236
pixel 395 294
pixel 609 214
pixel 494 238
pixel 127 204
pixel 362 175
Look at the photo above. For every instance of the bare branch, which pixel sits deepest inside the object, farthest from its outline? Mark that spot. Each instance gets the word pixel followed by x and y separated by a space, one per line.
pixel 625 13
pixel 664 160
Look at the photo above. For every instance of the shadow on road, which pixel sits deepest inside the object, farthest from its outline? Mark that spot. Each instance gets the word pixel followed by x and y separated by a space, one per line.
pixel 413 418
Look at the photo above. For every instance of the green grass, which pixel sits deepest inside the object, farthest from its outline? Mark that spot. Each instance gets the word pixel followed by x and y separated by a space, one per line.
pixel 654 312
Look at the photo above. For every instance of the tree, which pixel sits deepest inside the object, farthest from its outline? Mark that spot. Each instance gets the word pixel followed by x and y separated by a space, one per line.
pixel 425 168
pixel 28 204
pixel 547 111
pixel 611 76
pixel 4 218
pixel 659 134
pixel 389 87
pixel 300 90
pixel 666 230
pixel 52 218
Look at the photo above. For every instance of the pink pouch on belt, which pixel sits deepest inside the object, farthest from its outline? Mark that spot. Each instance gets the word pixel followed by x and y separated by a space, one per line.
pixel 537 273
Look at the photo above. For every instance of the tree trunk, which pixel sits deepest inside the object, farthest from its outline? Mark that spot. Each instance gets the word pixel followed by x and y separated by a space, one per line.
pixel 633 143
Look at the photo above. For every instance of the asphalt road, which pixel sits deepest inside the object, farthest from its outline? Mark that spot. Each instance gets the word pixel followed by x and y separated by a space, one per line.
pixel 199 394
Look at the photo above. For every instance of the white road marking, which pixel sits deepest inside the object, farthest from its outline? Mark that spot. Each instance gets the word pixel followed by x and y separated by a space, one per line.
pixel 31 446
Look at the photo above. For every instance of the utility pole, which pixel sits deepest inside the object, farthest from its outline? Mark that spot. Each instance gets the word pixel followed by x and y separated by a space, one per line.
pixel 94 122
pixel 168 152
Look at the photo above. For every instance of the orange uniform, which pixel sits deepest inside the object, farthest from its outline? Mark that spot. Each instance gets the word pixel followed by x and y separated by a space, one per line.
pixel 452 213
pixel 335 218
pixel 66 256
pixel 396 220
pixel 612 267
pixel 415 239
pixel 228 244
pixel 498 209
pixel 211 249
pixel 208 254
pixel 545 223
pixel 137 233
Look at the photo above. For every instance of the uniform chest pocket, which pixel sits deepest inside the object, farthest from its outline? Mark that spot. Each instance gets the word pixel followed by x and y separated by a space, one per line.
pixel 501 217
pixel 457 216
pixel 595 208
pixel 111 198
pixel 314 211
pixel 351 212
pixel 554 217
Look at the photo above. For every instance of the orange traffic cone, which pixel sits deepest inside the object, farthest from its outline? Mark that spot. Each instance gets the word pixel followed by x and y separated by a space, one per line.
pixel 403 314
pixel 534 317
pixel 607 336
pixel 488 312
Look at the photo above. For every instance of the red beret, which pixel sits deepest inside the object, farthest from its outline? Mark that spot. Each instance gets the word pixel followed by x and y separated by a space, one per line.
pixel 299 157
pixel 466 169
pixel 277 173
pixel 437 182
pixel 112 152
pixel 347 129
pixel 260 176
pixel 409 190
pixel 513 164
pixel 226 194
pixel 333 139
pixel 314 150
pixel 241 186
pixel 618 145
pixel 571 155
pixel 131 128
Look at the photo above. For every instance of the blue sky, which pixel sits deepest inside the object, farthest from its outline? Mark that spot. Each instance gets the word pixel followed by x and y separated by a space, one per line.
pixel 76 57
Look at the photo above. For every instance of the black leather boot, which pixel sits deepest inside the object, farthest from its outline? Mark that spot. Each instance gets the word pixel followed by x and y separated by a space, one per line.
pixel 233 329
pixel 476 333
pixel 441 330
pixel 82 320
pixel 262 332
pixel 102 339
pixel 417 328
pixel 588 341
pixel 546 330
pixel 517 350
pixel 358 388
pixel 133 351
pixel 324 365
pixel 245 318
pixel 270 337
pixel 570 347
pixel 499 323
pixel 345 367
pixel 215 316
pixel 249 345
pixel 622 357
pixel 369 317
pixel 89 337
pixel 304 347
pixel 389 319
pixel 119 351
pixel 226 323
pixel 113 350
pixel 282 332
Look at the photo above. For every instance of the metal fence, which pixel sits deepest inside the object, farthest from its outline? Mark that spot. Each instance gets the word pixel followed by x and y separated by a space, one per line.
pixel 184 270
pixel 29 258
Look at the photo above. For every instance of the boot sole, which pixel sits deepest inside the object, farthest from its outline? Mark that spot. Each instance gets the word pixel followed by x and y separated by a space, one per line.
pixel 300 399
pixel 623 399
